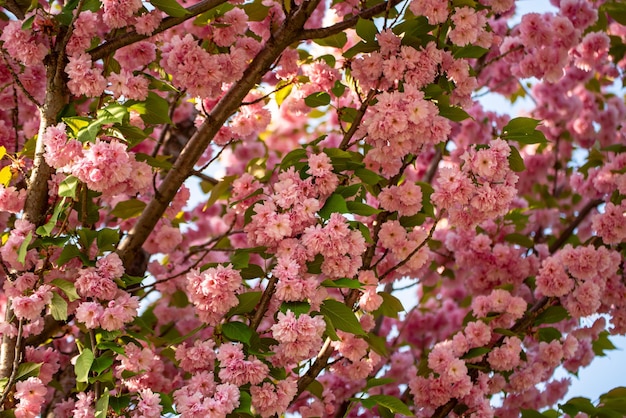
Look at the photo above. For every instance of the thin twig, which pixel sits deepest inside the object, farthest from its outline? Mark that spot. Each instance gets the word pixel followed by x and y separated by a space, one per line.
pixel 129 38
pixel 348 23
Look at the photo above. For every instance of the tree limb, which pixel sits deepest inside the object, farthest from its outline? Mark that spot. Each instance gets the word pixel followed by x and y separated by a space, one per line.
pixel 129 38
pixel 348 23
pixel 183 167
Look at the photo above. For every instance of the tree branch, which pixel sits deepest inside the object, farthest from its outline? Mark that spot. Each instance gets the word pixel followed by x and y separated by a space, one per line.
pixel 320 33
pixel 129 38
pixel 582 214
pixel 229 103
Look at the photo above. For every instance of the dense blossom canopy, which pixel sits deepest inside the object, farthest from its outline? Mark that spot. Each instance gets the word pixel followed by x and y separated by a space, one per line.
pixel 208 208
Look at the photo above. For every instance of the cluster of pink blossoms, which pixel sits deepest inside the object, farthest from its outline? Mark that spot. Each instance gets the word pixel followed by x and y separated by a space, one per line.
pixel 539 46
pixel 341 246
pixel 31 394
pixel 147 368
pixel 508 307
pixel 199 72
pixel 203 397
pixel 400 123
pixel 402 244
pixel 579 276
pixel 214 292
pixel 299 337
pixel 271 399
pixel 104 166
pixel 483 188
pixel 112 316
pixel 487 264
pixel 107 306
pixel 24 45
pixel 236 369
pixel 405 199
pixel 290 207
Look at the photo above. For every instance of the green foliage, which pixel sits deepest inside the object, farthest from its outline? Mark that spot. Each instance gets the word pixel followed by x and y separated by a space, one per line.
pixel 552 315
pixel 170 7
pixel 341 317
pixel 392 403
pixel 317 99
pixel 83 365
pixel 523 130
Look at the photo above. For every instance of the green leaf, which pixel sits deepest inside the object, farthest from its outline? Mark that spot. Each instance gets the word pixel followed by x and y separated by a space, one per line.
pixel 358 208
pixel 343 283
pixel 315 266
pixel 380 381
pixel 45 230
pixel 118 403
pixel 390 307
pixel 367 30
pixel 245 405
pixel 67 287
pixel 531 413
pixel 160 161
pixel 617 11
pixel 247 303
pixel 103 362
pixel 414 220
pixel 68 187
pixel 58 307
pixel 453 113
pixel 602 344
pixel 298 308
pixel 83 365
pixel 128 208
pixel 330 329
pixel 549 334
pixel 618 393
pixel 338 40
pixel 470 51
pixel 155 109
pixel 339 88
pixel 520 239
pixel 341 317
pixel 476 352
pixel 170 7
pixel 334 203
pixel 21 253
pixel 377 343
pixel 107 239
pixel 237 331
pixel 516 162
pixel 219 190
pixel 102 405
pixel 69 251
pixel 26 370
pixel 112 114
pixel 368 176
pixel 240 259
pixel 581 405
pixel 252 271
pixel 316 388
pixel 523 130
pixel 76 123
pixel 256 11
pixel 293 157
pixel 390 402
pixel 552 315
pixel 317 99
pixel 282 92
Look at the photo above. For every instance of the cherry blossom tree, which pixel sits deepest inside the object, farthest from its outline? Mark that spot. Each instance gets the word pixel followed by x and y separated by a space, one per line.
pixel 209 208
